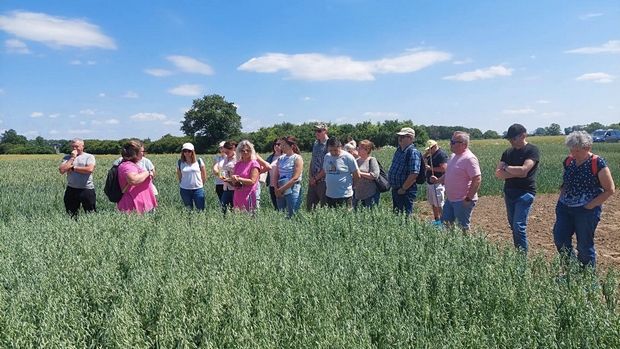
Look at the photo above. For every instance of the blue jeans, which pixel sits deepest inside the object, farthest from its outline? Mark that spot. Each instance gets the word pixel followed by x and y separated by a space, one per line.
pixel 191 196
pixel 455 211
pixel 518 205
pixel 291 202
pixel 226 201
pixel 404 202
pixel 579 221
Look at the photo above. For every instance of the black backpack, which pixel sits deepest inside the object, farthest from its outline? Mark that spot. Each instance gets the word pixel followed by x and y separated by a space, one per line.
pixel 421 178
pixel 112 187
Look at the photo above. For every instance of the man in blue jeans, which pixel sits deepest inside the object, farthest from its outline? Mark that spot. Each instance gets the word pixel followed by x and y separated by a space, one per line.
pixel 518 166
pixel 404 171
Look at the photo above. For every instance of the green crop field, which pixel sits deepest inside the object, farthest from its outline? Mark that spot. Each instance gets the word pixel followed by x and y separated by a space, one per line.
pixel 328 279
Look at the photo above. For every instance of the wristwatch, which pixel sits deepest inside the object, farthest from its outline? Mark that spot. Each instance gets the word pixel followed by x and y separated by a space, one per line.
pixel 467 199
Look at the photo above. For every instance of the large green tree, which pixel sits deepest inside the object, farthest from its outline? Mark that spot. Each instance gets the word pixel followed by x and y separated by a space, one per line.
pixel 210 120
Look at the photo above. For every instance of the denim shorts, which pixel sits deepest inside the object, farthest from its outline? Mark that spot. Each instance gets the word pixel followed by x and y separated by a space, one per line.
pixel 455 211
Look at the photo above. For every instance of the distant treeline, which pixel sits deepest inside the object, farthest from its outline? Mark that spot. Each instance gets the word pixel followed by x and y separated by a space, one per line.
pixel 381 134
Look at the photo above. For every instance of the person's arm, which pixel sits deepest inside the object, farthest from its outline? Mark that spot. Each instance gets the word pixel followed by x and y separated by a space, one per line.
pixel 88 169
pixel 179 174
pixel 135 178
pixel 373 170
pixel 67 165
pixel 356 177
pixel 203 173
pixel 473 189
pixel 607 183
pixel 216 167
pixel 297 170
pixel 499 171
pixel 264 165
pixel 520 171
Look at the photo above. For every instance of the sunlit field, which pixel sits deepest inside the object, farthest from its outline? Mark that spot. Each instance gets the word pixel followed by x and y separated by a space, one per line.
pixel 330 278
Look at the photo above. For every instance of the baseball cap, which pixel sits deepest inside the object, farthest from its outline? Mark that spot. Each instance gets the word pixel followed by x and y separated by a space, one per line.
pixel 515 130
pixel 188 146
pixel 221 144
pixel 430 143
pixel 320 126
pixel 406 131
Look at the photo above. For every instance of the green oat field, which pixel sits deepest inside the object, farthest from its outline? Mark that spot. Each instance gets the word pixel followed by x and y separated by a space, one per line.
pixel 327 279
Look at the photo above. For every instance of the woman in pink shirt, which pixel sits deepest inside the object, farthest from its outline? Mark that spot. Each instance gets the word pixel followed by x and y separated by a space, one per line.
pixel 138 194
pixel 245 177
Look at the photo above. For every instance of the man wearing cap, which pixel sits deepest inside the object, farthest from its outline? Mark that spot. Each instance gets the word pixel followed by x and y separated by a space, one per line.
pixel 403 172
pixel 517 167
pixel 462 181
pixel 316 175
pixel 436 161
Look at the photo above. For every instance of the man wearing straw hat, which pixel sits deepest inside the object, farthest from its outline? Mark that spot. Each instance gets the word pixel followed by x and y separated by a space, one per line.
pixel 436 162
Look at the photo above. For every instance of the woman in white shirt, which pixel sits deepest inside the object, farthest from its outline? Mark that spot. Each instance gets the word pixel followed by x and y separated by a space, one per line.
pixel 192 175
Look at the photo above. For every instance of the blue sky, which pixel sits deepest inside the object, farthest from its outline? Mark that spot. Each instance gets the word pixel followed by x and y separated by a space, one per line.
pixel 115 69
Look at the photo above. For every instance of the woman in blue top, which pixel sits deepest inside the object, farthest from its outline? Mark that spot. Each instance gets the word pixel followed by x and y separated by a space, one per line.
pixel 288 174
pixel 586 186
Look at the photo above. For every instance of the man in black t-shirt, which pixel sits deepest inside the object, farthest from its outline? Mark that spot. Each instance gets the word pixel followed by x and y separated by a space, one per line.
pixel 518 167
pixel 436 161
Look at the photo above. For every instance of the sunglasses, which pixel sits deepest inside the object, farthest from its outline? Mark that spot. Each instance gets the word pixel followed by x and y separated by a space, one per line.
pixel 278 144
pixel 187 151
pixel 318 131
pixel 245 151
pixel 453 142
pixel 403 137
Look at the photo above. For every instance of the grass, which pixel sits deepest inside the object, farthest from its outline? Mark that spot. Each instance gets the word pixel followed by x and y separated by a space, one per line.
pixel 328 279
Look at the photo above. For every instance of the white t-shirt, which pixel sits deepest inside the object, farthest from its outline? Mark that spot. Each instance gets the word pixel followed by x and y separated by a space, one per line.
pixel 191 178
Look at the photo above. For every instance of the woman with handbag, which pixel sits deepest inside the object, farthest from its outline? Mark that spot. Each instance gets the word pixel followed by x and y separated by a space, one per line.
pixel 287 176
pixel 366 190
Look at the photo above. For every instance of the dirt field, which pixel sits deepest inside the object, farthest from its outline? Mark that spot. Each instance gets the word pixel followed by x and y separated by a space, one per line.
pixel 490 215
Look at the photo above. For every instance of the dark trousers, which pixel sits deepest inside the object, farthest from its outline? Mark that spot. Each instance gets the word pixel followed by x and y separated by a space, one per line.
pixel 75 197
pixel 219 190
pixel 333 203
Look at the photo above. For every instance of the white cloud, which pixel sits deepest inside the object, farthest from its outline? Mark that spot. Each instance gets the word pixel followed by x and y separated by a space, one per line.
pixel 72 115
pixel 16 46
pixel 280 114
pixel 251 125
pixel 488 73
pixel 111 121
pixel 55 31
pixel 533 56
pixel 102 95
pixel 87 111
pixel 53 132
pixel 158 72
pixel 597 77
pixel 82 122
pixel 75 62
pixel 54 116
pixel 95 122
pixel 543 101
pixel 186 90
pixel 307 99
pixel 590 15
pixel 190 65
pixel 78 131
pixel 91 62
pixel 148 117
pixel 552 114
pixel 130 94
pixel 319 67
pixel 31 133
pixel 465 61
pixel 612 46
pixel 519 111
pixel 36 114
pixel 171 122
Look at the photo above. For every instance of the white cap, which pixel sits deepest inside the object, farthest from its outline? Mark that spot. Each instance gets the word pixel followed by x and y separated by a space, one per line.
pixel 188 146
pixel 222 144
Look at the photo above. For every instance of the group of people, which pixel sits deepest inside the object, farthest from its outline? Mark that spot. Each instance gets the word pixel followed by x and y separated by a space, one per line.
pixel 346 175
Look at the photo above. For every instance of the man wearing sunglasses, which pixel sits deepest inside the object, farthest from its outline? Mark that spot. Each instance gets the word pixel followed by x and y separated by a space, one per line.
pixel 316 175
pixel 462 181
pixel 404 171
pixel 517 167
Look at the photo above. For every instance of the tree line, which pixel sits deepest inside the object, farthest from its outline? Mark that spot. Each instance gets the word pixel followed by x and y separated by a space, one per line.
pixel 212 119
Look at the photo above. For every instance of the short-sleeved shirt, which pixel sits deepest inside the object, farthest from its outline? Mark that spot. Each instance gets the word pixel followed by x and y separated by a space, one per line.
pixel 191 177
pixel 139 197
pixel 144 163
pixel 228 165
pixel 401 168
pixel 435 160
pixel 516 157
pixel 243 170
pixel 80 180
pixel 367 187
pixel 338 178
pixel 580 184
pixel 319 150
pixel 459 173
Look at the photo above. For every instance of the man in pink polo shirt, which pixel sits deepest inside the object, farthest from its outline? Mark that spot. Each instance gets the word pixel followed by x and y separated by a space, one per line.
pixel 462 181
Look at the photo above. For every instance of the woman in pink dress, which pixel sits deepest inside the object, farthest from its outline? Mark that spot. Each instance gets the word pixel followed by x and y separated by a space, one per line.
pixel 138 195
pixel 245 177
